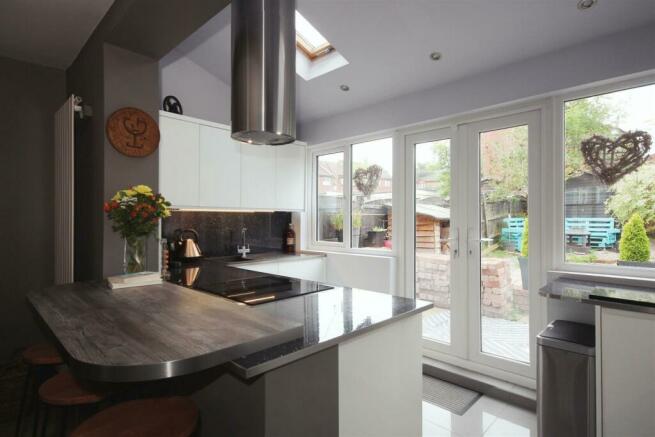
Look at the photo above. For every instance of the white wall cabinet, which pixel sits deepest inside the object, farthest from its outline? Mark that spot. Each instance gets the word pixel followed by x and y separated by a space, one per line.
pixel 627 371
pixel 178 161
pixel 200 166
pixel 257 176
pixel 290 176
pixel 219 179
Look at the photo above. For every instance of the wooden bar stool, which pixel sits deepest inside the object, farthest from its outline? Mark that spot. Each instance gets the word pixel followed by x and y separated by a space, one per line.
pixel 65 392
pixel 156 417
pixel 40 360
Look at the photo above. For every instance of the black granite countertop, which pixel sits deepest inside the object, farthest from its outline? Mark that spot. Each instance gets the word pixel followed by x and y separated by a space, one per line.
pixel 229 268
pixel 625 297
pixel 328 318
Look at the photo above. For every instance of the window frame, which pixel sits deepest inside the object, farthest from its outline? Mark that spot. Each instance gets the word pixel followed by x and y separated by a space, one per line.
pixel 307 48
pixel 345 146
pixel 312 52
pixel 559 263
pixel 314 199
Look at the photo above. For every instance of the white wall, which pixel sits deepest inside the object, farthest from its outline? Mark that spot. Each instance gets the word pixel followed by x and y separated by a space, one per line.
pixel 201 93
pixel 605 58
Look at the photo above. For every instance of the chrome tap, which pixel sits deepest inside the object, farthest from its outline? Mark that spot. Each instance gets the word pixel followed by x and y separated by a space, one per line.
pixel 245 249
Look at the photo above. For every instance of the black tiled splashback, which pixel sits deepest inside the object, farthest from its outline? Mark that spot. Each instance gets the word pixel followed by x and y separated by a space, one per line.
pixel 220 232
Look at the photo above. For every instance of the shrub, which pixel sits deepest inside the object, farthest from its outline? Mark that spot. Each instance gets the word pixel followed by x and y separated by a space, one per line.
pixel 337 221
pixel 634 244
pixel 635 193
pixel 524 240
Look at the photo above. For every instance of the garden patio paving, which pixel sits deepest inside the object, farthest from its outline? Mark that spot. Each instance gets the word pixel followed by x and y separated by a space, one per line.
pixel 504 338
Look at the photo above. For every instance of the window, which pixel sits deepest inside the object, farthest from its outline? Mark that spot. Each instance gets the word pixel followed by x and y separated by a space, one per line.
pixel 309 40
pixel 371 193
pixel 329 197
pixel 609 179
pixel 364 222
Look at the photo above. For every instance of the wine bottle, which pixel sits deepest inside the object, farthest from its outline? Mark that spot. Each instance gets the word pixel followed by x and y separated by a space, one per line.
pixel 291 239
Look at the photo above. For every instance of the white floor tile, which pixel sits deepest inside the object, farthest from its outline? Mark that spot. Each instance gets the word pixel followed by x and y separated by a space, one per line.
pixel 437 415
pixel 473 423
pixel 514 422
pixel 504 428
pixel 432 430
pixel 488 417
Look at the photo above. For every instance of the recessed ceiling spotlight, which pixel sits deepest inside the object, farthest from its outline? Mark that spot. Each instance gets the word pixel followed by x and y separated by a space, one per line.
pixel 435 56
pixel 586 4
pixel 344 87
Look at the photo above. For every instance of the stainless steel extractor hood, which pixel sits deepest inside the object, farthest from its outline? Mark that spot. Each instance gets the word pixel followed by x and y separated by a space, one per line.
pixel 264 71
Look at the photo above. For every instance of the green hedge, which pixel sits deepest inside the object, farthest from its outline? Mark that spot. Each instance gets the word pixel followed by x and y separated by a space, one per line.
pixel 634 244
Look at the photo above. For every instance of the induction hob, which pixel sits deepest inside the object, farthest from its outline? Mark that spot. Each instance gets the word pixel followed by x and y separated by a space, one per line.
pixel 217 277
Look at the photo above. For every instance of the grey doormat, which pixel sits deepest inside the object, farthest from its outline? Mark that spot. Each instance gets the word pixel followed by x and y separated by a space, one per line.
pixel 449 396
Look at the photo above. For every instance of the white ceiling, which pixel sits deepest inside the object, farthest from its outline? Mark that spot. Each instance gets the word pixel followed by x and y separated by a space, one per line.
pixel 387 42
pixel 48 32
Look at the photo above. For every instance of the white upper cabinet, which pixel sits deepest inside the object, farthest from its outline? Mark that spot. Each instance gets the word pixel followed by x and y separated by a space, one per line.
pixel 220 172
pixel 178 161
pixel 257 176
pixel 201 166
pixel 290 177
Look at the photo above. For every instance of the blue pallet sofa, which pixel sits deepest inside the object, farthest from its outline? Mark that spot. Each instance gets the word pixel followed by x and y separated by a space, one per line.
pixel 602 231
pixel 512 234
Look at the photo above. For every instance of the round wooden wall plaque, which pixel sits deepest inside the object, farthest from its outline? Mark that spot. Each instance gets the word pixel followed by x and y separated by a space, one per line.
pixel 133 132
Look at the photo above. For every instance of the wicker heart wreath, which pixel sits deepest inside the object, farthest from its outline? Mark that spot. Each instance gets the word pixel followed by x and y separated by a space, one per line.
pixel 367 179
pixel 611 160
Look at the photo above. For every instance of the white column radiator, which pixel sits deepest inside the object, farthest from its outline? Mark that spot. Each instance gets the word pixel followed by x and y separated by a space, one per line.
pixel 64 191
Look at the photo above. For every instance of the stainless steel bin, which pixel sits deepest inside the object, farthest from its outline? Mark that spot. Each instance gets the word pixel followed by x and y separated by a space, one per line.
pixel 566 380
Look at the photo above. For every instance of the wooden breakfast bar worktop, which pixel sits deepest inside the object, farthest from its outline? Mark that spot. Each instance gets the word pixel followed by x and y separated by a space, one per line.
pixel 152 332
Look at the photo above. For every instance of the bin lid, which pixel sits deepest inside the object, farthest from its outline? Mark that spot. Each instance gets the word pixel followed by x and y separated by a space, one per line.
pixel 570 332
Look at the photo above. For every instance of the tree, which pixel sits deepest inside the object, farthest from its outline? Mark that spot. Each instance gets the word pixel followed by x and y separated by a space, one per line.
pixel 437 170
pixel 635 194
pixel 504 163
pixel 634 244
pixel 584 118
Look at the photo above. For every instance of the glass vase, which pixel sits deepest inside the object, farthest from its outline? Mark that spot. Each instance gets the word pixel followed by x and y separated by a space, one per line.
pixel 135 254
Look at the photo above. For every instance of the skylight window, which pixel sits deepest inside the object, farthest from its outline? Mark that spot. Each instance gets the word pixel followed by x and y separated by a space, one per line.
pixel 309 40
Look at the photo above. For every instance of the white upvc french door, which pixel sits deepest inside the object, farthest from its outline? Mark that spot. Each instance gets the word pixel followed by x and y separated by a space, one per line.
pixel 503 177
pixel 470 191
pixel 434 226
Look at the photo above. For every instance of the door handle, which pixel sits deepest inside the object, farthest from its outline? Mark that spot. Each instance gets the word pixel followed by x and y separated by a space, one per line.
pixel 470 241
pixel 454 239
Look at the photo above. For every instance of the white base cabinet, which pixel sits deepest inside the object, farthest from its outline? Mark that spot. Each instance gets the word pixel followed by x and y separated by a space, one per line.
pixel 627 372
pixel 201 166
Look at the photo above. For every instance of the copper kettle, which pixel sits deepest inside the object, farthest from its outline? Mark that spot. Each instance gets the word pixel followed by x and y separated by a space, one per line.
pixel 186 245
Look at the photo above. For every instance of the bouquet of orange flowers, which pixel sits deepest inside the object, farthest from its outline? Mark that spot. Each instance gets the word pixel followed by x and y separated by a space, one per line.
pixel 135 212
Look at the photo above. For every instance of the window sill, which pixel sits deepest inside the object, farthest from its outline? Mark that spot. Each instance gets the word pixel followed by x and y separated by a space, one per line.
pixel 624 278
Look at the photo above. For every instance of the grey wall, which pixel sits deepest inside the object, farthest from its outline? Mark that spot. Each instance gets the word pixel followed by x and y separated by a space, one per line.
pixel 85 78
pixel 118 66
pixel 605 58
pixel 130 79
pixel 202 94
pixel 30 96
